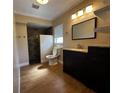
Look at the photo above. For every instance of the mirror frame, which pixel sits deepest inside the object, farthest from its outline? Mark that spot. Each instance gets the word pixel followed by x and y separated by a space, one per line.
pixel 95 26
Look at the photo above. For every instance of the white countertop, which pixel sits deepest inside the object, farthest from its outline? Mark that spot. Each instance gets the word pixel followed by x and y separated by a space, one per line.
pixel 75 49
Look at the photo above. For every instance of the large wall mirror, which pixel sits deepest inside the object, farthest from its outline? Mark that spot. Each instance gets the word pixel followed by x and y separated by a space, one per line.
pixel 84 30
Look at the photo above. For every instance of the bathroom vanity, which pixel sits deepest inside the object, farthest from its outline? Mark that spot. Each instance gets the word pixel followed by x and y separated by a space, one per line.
pixel 90 66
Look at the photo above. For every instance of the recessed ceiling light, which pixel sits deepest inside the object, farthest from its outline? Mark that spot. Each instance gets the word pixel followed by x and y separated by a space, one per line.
pixel 42 1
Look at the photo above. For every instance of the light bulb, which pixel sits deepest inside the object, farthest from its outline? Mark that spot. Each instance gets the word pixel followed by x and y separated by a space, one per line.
pixel 89 9
pixel 74 16
pixel 80 13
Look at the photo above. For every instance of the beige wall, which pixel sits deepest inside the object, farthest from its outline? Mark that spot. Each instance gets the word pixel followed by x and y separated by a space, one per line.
pixel 21 34
pixel 102 39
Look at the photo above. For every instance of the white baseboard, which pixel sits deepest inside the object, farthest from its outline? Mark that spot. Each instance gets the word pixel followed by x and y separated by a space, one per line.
pixel 60 61
pixel 23 64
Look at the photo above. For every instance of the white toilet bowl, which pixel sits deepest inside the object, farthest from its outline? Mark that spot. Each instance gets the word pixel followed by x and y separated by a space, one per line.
pixel 53 59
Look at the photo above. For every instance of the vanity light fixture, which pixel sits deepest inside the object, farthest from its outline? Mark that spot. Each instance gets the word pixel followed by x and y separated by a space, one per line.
pixel 74 16
pixel 89 9
pixel 42 1
pixel 80 13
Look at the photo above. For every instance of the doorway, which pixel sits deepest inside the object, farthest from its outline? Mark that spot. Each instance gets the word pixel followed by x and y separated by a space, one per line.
pixel 33 36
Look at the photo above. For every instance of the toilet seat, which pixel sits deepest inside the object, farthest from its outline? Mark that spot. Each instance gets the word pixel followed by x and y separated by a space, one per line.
pixel 50 56
pixel 53 58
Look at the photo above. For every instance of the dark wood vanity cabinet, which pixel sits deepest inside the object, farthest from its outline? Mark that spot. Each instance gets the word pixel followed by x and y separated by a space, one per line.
pixel 92 68
pixel 73 62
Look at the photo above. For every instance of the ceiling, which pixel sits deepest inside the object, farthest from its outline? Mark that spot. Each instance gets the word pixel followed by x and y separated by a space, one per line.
pixel 50 11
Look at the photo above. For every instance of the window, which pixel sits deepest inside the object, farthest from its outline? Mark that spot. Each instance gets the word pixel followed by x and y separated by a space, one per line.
pixel 59 40
pixel 58 34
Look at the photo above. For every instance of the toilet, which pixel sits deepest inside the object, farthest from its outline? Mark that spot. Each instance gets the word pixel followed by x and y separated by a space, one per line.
pixel 53 59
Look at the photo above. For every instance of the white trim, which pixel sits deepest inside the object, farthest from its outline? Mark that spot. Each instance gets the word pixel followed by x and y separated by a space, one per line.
pixel 19 81
pixel 60 61
pixel 23 64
